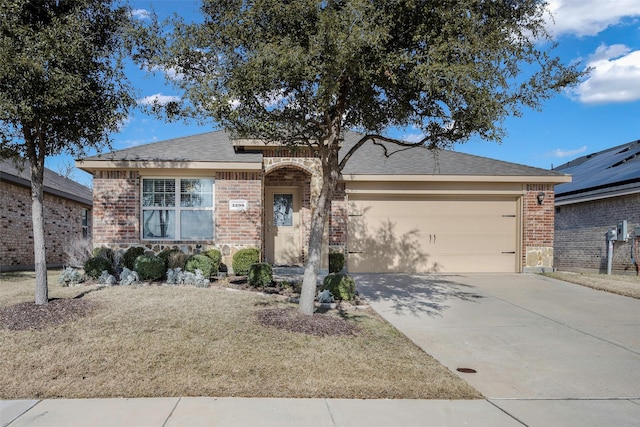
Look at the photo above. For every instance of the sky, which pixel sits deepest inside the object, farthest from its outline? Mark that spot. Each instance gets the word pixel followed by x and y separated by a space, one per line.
pixel 603 111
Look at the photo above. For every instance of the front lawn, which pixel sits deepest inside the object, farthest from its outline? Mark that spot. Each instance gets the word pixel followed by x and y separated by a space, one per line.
pixel 151 341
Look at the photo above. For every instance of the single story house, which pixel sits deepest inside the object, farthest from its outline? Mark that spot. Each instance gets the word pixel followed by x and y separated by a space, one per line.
pixel 67 216
pixel 412 211
pixel 605 192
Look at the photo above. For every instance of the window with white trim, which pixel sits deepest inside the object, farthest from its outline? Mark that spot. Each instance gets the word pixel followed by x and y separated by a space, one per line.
pixel 177 208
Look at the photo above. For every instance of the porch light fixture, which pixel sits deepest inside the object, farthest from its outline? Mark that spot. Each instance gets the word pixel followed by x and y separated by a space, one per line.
pixel 540 197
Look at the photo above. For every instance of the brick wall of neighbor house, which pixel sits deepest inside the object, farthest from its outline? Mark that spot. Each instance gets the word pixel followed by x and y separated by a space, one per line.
pixel 117 213
pixel 63 223
pixel 580 243
pixel 537 223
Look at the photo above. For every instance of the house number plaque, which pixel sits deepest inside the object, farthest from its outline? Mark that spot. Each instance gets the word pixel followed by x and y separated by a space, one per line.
pixel 238 205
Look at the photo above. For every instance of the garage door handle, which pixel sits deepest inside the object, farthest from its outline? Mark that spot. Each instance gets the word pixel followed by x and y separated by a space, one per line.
pixel 355 252
pixel 512 252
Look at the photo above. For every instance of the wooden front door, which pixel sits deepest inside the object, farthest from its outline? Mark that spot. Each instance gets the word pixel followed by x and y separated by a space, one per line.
pixel 282 217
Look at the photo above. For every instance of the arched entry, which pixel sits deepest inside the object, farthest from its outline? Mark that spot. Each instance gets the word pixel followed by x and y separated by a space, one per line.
pixel 286 215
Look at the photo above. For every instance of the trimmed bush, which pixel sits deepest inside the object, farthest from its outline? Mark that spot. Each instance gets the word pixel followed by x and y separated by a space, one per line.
pixel 216 257
pixel 243 259
pixel 149 267
pixel 200 262
pixel 174 258
pixel 93 267
pixel 260 275
pixel 107 253
pixel 129 257
pixel 336 262
pixel 341 286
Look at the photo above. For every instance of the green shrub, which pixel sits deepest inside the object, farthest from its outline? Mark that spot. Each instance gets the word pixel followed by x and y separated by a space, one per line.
pixel 336 262
pixel 341 286
pixel 174 258
pixel 216 257
pixel 200 262
pixel 93 267
pixel 243 259
pixel 260 275
pixel 107 253
pixel 149 267
pixel 129 257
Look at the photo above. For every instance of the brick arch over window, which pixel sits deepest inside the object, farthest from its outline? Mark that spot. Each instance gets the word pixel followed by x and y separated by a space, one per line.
pixel 310 166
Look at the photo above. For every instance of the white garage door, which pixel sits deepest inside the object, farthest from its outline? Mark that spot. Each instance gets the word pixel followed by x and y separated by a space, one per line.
pixel 429 234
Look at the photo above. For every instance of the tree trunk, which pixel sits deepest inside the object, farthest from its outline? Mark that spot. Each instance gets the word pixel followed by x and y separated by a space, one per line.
pixel 330 173
pixel 37 215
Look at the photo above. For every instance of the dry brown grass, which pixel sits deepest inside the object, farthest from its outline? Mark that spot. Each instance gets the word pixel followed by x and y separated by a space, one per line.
pixel 150 341
pixel 621 284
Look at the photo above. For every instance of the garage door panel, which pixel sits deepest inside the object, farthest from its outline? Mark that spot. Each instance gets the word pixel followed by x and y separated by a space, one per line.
pixel 427 235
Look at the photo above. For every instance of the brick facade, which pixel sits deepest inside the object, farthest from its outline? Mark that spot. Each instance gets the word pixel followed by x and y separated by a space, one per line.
pixel 63 223
pixel 117 213
pixel 580 243
pixel 538 228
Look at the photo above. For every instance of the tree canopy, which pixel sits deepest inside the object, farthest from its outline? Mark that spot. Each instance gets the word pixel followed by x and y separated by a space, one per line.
pixel 284 70
pixel 299 72
pixel 62 87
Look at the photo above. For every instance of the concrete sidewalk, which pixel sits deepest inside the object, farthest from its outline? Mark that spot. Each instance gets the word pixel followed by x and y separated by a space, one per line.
pixel 240 412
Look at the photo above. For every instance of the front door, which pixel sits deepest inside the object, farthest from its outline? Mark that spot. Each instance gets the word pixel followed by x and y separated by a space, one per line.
pixel 282 216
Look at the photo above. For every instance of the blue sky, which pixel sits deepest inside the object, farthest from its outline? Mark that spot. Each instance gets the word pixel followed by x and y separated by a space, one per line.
pixel 602 112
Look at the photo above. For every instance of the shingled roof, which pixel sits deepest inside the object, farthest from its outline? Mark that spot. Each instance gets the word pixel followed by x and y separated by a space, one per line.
pixel 54 184
pixel 371 159
pixel 206 147
pixel 607 173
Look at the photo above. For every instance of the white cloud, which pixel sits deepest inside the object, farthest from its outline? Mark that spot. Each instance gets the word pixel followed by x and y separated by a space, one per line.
pixel 412 137
pixel 589 17
pixel 158 99
pixel 614 77
pixel 561 152
pixel 171 73
pixel 140 14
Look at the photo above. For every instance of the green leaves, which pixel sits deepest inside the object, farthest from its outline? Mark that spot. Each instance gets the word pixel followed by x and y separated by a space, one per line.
pixel 452 68
pixel 61 75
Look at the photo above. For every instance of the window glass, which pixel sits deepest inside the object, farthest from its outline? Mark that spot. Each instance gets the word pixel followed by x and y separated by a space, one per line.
pixel 196 225
pixel 177 209
pixel 159 224
pixel 283 210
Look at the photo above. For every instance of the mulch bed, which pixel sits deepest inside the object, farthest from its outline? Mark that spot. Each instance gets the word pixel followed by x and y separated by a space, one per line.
pixel 29 316
pixel 290 319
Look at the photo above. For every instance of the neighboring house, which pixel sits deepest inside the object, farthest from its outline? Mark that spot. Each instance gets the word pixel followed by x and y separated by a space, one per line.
pixel 412 211
pixel 605 191
pixel 67 216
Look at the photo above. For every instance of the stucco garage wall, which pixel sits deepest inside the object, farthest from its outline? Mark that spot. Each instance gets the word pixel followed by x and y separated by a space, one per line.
pixel 580 229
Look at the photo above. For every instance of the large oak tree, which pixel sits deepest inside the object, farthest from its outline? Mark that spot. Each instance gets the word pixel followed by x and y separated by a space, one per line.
pixel 62 88
pixel 300 72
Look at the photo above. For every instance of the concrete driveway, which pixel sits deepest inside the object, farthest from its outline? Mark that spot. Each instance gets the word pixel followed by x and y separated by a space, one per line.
pixel 545 351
